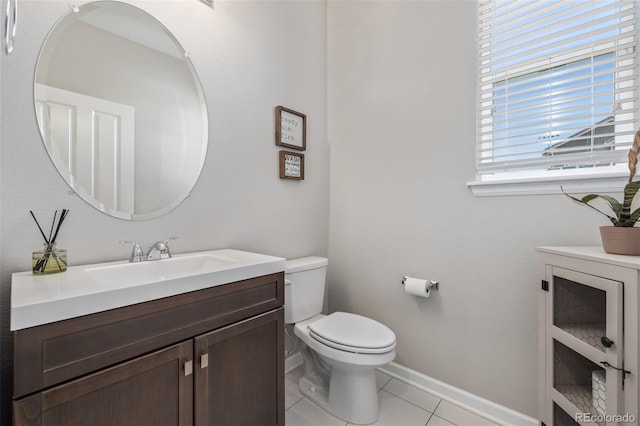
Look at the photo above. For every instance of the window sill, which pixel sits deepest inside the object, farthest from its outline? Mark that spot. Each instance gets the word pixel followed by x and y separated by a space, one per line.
pixel 577 184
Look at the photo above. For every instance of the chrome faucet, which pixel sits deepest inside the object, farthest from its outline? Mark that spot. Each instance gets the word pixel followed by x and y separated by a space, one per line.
pixel 159 250
pixel 137 254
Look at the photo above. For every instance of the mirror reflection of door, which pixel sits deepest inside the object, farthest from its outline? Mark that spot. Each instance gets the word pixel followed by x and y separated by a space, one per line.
pixel 104 168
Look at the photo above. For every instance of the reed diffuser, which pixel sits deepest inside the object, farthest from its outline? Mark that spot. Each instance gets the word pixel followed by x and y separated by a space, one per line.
pixel 51 259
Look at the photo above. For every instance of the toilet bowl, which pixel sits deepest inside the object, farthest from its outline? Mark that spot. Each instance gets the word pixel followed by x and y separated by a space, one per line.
pixel 347 388
pixel 340 350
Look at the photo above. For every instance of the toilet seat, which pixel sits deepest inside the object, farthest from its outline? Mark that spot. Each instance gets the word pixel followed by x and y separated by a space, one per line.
pixel 353 333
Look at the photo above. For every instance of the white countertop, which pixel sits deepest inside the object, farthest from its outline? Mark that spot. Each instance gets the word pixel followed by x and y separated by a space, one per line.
pixel 595 253
pixel 42 299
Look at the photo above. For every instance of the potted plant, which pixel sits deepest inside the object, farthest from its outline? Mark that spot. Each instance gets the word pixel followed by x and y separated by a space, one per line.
pixel 622 237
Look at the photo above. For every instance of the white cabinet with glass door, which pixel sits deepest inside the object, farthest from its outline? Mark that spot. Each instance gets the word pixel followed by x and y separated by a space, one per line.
pixel 588 337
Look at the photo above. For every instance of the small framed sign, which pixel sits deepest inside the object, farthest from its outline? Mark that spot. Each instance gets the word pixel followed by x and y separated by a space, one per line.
pixel 291 165
pixel 291 128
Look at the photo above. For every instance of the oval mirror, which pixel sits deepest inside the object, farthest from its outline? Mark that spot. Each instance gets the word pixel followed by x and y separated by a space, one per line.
pixel 121 110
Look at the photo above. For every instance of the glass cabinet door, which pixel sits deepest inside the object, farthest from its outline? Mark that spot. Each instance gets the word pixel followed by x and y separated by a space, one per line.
pixel 583 340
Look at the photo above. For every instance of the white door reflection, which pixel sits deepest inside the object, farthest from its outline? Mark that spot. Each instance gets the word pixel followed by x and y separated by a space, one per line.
pixel 102 169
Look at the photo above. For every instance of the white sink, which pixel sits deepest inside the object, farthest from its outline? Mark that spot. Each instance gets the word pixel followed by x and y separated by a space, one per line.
pixel 160 270
pixel 86 289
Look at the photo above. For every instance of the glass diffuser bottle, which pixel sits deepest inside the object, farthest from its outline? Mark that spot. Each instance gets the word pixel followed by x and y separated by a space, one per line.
pixel 49 261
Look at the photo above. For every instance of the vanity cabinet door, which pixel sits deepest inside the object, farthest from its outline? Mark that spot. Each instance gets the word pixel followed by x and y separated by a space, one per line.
pixel 239 373
pixel 155 389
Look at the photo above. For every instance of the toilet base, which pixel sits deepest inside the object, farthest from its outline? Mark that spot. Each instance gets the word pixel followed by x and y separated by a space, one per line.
pixel 351 396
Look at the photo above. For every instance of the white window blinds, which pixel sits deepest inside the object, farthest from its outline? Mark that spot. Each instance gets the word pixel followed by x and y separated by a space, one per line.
pixel 555 84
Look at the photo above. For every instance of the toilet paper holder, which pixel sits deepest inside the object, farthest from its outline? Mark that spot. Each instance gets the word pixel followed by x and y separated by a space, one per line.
pixel 435 285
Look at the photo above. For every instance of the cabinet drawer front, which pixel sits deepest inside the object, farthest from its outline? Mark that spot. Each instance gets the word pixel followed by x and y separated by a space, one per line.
pixel 53 353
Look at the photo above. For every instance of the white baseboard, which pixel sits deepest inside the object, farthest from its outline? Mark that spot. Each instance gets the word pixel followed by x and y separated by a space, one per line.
pixel 292 362
pixel 483 407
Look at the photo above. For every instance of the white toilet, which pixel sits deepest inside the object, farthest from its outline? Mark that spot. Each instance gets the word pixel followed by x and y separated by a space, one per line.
pixel 340 350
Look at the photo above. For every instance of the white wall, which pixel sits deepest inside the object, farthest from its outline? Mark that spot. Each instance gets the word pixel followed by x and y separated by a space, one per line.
pixel 401 98
pixel 250 56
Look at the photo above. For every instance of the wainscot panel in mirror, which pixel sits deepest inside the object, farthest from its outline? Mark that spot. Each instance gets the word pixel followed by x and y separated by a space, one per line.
pixel 121 110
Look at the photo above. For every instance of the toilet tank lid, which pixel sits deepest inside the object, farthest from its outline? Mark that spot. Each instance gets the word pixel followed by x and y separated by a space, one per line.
pixel 305 264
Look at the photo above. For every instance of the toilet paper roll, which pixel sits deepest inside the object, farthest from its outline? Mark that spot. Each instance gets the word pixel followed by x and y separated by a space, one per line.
pixel 417 287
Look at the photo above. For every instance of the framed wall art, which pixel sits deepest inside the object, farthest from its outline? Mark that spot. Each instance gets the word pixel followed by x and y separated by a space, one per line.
pixel 291 128
pixel 291 165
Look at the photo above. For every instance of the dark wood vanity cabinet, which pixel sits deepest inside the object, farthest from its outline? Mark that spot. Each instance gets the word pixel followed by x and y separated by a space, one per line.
pixel 209 357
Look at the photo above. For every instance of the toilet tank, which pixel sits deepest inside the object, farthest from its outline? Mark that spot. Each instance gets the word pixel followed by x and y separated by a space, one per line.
pixel 304 280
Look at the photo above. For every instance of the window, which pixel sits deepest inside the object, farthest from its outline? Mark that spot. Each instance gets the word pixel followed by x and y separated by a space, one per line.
pixel 555 87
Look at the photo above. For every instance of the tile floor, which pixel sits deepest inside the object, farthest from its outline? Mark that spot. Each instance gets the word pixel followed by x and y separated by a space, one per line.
pixel 400 405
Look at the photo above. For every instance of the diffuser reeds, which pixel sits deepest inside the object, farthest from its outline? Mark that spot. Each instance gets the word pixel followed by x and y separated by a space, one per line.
pixel 50 259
